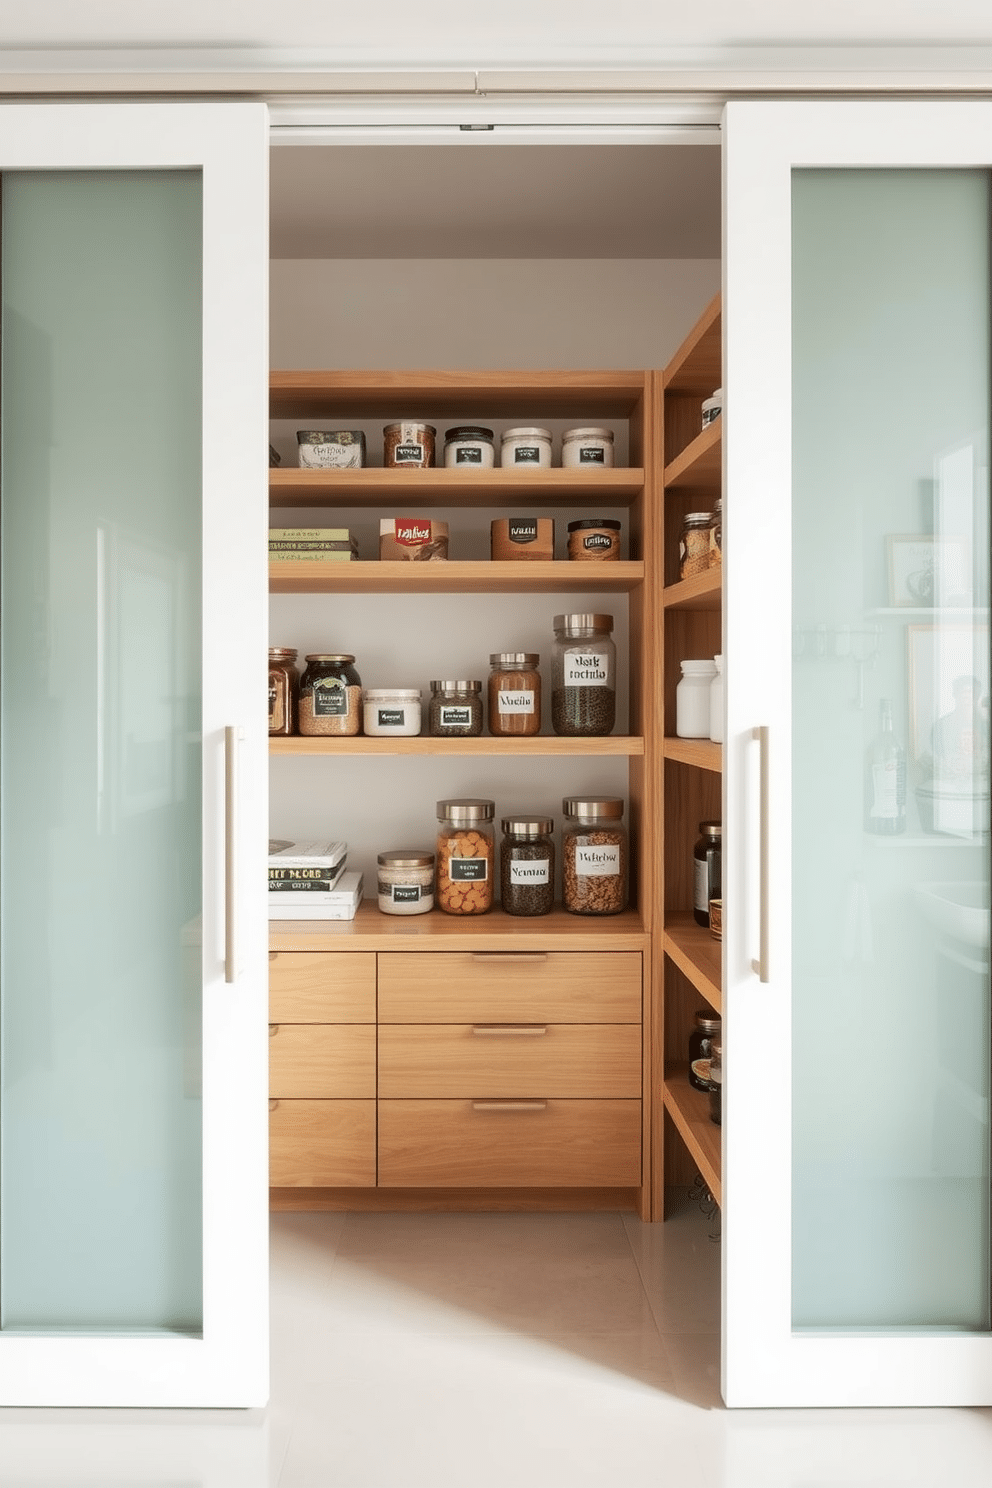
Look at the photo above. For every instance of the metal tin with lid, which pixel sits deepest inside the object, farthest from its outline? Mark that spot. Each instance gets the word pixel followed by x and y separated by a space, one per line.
pixel 594 539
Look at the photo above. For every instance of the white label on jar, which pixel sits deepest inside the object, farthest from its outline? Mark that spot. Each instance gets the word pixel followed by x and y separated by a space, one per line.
pixel 516 701
pixel 450 716
pixel 591 455
pixel 468 870
pixel 527 454
pixel 701 892
pixel 597 862
pixel 390 717
pixel 538 872
pixel 468 454
pixel 586 669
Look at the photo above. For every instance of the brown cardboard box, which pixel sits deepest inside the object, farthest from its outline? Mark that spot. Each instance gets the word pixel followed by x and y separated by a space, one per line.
pixel 523 539
pixel 417 539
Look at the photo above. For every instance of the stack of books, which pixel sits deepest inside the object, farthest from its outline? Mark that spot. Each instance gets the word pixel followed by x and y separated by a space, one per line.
pixel 310 544
pixel 311 881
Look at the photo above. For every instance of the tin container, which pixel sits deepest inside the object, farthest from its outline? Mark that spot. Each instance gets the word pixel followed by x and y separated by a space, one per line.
pixel 331 449
pixel 594 540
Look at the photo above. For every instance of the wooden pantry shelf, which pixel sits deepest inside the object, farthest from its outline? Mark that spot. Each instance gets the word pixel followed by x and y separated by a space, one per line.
pixel 328 393
pixel 690 1111
pixel 699 752
pixel 697 955
pixel 487 934
pixel 703 591
pixel 455 577
pixel 375 486
pixel 701 463
pixel 696 366
pixel 612 746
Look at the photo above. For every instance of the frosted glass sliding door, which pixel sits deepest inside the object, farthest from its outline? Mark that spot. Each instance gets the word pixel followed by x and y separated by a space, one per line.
pixel 857 1049
pixel 132 617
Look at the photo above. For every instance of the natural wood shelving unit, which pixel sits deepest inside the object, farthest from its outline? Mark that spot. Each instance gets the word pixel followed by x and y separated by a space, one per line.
pixel 700 465
pixel 494 932
pixel 454 577
pixel 700 753
pixel 697 955
pixel 689 1111
pixel 542 745
pixel 506 489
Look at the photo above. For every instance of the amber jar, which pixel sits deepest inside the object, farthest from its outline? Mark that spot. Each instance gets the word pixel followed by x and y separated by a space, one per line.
pixel 330 695
pixel 284 690
pixel 514 693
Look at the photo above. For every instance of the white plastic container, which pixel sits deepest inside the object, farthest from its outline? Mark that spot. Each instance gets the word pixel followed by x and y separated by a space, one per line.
pixel 391 712
pixel 692 700
pixel 588 449
pixel 716 702
pixel 525 448
pixel 712 407
pixel 469 446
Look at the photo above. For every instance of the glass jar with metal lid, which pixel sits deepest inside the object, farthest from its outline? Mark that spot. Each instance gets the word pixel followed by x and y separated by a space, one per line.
pixel 455 709
pixel 284 689
pixel 583 675
pixel 707 856
pixel 587 449
pixel 469 446
pixel 708 1025
pixel 465 856
pixel 408 445
pixel 527 865
pixel 330 694
pixel 525 448
pixel 694 544
pixel 594 855
pixel 514 693
pixel 406 881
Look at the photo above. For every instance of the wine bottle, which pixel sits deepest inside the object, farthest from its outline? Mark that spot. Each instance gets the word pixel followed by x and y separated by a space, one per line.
pixel 885 779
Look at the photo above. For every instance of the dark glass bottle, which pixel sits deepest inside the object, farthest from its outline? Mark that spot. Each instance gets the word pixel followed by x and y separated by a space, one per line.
pixel 708 1026
pixel 707 874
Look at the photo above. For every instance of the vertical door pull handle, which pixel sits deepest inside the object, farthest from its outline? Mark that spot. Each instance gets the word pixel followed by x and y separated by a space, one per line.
pixel 232 739
pixel 760 965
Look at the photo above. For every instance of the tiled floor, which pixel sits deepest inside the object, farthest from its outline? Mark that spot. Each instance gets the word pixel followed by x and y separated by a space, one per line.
pixel 479 1351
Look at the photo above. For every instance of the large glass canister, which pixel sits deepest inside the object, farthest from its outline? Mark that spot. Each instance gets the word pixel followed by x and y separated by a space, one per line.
pixel 284 690
pixel 465 856
pixel 330 695
pixel 527 865
pixel 514 693
pixel 583 675
pixel 594 855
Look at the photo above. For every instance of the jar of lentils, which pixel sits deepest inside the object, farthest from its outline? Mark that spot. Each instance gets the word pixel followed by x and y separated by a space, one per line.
pixel 694 544
pixel 330 694
pixel 527 865
pixel 456 709
pixel 284 690
pixel 594 855
pixel 514 693
pixel 583 675
pixel 465 856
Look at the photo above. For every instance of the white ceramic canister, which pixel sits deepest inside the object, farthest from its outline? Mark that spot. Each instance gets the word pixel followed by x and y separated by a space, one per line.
pixel 692 700
pixel 590 449
pixel 406 881
pixel 716 702
pixel 712 407
pixel 525 448
pixel 469 447
pixel 391 712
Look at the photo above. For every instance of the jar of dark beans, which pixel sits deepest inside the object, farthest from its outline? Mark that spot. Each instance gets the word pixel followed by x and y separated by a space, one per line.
pixel 284 689
pixel 583 675
pixel 708 1026
pixel 330 695
pixel 527 865
pixel 455 710
pixel 594 855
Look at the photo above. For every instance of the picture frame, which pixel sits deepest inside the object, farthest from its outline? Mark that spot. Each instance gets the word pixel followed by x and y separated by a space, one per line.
pixel 928 572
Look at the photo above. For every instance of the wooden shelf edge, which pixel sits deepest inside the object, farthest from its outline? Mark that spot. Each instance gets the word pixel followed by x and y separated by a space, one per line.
pixel 702 592
pixel 371 485
pixel 496 931
pixel 414 393
pixel 612 746
pixel 690 1113
pixel 701 462
pixel 702 753
pixel 454 577
pixel 698 359
pixel 697 955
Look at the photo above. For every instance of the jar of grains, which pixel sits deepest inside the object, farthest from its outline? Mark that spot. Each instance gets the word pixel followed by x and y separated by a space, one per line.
pixel 465 856
pixel 406 881
pixel 284 689
pixel 409 445
pixel 514 693
pixel 694 544
pixel 456 709
pixel 716 534
pixel 469 445
pixel 583 675
pixel 527 865
pixel 391 712
pixel 526 448
pixel 594 855
pixel 587 449
pixel 330 694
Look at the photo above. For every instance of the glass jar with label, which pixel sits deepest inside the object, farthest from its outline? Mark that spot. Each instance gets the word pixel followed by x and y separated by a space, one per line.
pixel 284 690
pixel 456 709
pixel 408 445
pixel 391 712
pixel 716 1081
pixel 514 693
pixel 470 446
pixel 694 544
pixel 330 695
pixel 716 534
pixel 594 855
pixel 707 1027
pixel 525 448
pixel 406 881
pixel 583 675
pixel 527 865
pixel 587 449
pixel 465 856
pixel 707 870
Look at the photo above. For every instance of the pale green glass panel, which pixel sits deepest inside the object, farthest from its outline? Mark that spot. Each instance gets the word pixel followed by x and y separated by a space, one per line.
pixel 890 598
pixel 100 879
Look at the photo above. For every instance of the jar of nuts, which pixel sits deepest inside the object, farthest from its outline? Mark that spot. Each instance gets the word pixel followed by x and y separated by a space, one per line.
pixel 527 866
pixel 594 855
pixel 330 695
pixel 465 856
pixel 514 693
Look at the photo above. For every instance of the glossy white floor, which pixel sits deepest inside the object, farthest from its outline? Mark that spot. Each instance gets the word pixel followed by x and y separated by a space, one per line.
pixel 474 1351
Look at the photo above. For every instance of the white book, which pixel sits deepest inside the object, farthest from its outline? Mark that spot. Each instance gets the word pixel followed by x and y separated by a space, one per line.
pixel 338 904
pixel 286 854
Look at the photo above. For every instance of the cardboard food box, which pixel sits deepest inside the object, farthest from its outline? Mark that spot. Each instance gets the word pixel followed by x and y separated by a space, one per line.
pixel 416 539
pixel 527 539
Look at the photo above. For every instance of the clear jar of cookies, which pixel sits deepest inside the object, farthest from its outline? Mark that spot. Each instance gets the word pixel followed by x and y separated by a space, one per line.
pixel 465 856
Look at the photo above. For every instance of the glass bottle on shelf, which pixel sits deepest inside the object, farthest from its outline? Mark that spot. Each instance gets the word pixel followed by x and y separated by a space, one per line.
pixel 885 778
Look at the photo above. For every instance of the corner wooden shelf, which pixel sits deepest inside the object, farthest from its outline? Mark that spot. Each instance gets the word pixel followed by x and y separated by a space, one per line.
pixel 454 577
pixel 700 464
pixel 482 934
pixel 701 753
pixel 702 592
pixel 690 1111
pixel 697 955
pixel 506 489
pixel 612 746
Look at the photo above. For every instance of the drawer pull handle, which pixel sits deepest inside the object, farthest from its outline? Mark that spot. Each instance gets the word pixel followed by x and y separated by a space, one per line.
pixel 509 1105
pixel 509 1030
pixel 273 1104
pixel 273 1029
pixel 509 957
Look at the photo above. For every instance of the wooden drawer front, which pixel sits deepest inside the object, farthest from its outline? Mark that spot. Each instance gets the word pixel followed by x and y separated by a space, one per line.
pixel 450 1144
pixel 529 1059
pixel 322 1060
pixel 322 986
pixel 322 1144
pixel 467 987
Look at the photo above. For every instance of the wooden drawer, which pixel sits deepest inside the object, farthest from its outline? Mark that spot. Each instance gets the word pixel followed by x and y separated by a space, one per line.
pixel 529 1059
pixel 565 1143
pixel 322 986
pixel 504 987
pixel 322 1060
pixel 322 1144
